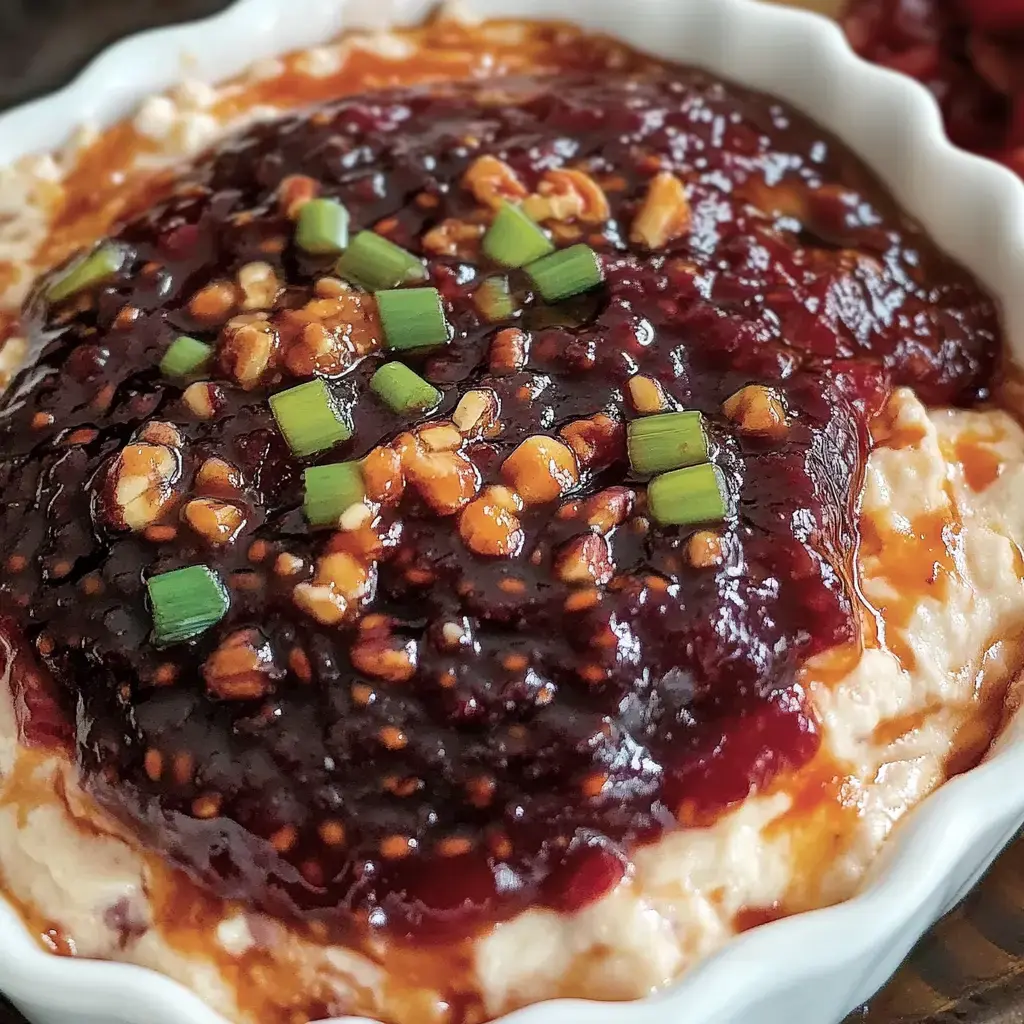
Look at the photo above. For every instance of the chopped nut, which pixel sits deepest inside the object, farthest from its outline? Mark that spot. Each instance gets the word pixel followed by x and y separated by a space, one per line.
pixel 440 437
pixel 294 192
pixel 453 237
pixel 608 508
pixel 327 333
pixel 568 195
pixel 664 215
pixel 757 409
pixel 215 476
pixel 704 550
pixel 393 738
pixel 339 585
pixel 242 667
pixel 586 559
pixel 154 764
pixel 203 399
pixel 260 285
pixel 247 350
pixel 477 412
pixel 597 442
pixel 355 517
pixel 287 564
pixel 541 469
pixel 214 303
pixel 509 349
pixel 142 478
pixel 216 521
pixel 385 657
pixel 158 432
pixel 446 480
pixel 492 182
pixel 330 288
pixel 332 833
pixel 647 395
pixel 382 475
pixel 160 534
pixel 489 525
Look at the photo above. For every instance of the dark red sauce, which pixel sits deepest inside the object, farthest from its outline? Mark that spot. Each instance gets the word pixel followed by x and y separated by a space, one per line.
pixel 969 53
pixel 674 688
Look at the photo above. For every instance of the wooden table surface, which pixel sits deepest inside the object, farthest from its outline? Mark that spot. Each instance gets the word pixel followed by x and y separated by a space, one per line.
pixel 970 968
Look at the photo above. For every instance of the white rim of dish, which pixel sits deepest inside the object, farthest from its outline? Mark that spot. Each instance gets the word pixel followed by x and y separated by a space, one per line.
pixel 911 881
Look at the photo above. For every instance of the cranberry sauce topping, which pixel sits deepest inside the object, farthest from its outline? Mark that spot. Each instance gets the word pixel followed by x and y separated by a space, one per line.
pixel 498 674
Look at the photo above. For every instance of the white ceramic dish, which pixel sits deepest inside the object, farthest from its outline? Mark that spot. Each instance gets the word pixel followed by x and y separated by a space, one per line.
pixel 810 969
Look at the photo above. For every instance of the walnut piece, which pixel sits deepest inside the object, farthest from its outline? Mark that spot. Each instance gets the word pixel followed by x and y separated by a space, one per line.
pixel 242 667
pixel 541 469
pixel 489 525
pixel 217 522
pixel 664 215
pixel 568 195
pixel 492 182
pixel 142 482
pixel 757 409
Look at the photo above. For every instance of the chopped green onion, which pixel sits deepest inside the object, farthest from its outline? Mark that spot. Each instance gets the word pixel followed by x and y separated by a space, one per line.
pixel 375 263
pixel 494 299
pixel 565 273
pixel 185 356
pixel 697 494
pixel 104 262
pixel 402 389
pixel 185 603
pixel 667 440
pixel 412 317
pixel 330 490
pixel 513 240
pixel 308 418
pixel 322 227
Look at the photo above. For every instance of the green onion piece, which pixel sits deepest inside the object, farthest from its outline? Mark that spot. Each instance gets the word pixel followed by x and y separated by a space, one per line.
pixel 513 240
pixel 375 263
pixel 402 389
pixel 322 227
pixel 308 418
pixel 697 494
pixel 331 490
pixel 412 317
pixel 185 356
pixel 494 299
pixel 102 263
pixel 667 440
pixel 185 603
pixel 565 273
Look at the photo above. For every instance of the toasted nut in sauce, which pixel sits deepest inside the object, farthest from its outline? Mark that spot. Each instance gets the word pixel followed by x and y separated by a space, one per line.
pixel 204 399
pixel 453 237
pixel 383 475
pixel 608 508
pixel 215 476
pixel 214 303
pixel 216 521
pixel 158 432
pixel 586 559
pixel 242 667
pixel 664 215
pixel 389 658
pixel 142 482
pixel 247 350
pixel 340 585
pixel 704 550
pixel 647 395
pixel 259 285
pixel 597 441
pixel 509 349
pixel 541 469
pixel 492 182
pixel 568 195
pixel 477 412
pixel 489 525
pixel 757 409
pixel 445 478
pixel 294 192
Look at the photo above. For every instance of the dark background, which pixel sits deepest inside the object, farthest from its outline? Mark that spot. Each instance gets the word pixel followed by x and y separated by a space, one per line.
pixel 970 969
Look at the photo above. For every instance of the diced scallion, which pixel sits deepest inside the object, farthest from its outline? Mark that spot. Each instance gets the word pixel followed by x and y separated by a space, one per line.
pixel 696 494
pixel 185 603
pixel 402 389
pixel 185 356
pixel 330 490
pixel 668 440
pixel 375 263
pixel 493 298
pixel 566 273
pixel 513 240
pixel 412 318
pixel 99 265
pixel 322 227
pixel 308 418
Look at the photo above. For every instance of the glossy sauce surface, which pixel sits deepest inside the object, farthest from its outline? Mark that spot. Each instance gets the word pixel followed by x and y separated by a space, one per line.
pixel 571 719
